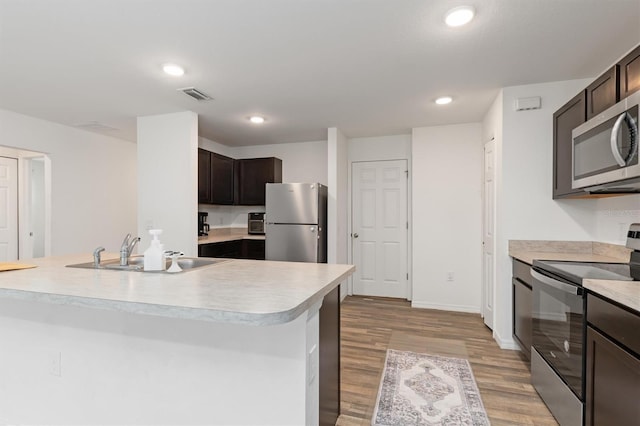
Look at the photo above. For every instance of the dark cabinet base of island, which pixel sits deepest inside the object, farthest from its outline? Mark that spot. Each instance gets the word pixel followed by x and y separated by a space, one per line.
pixel 330 358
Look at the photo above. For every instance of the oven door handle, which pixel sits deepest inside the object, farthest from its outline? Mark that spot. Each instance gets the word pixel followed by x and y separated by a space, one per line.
pixel 564 287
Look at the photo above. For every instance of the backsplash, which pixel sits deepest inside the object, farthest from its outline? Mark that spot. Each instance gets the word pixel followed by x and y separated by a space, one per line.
pixel 613 217
pixel 228 216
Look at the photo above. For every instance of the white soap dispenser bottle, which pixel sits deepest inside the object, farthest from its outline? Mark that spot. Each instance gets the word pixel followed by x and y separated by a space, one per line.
pixel 154 255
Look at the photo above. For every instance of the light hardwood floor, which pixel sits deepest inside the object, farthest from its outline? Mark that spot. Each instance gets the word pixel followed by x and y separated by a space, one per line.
pixel 372 325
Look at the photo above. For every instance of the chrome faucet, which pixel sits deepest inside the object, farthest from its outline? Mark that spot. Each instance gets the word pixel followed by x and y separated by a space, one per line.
pixel 96 256
pixel 126 248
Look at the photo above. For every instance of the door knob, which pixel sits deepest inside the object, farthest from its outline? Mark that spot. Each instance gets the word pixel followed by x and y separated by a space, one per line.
pixel 356 235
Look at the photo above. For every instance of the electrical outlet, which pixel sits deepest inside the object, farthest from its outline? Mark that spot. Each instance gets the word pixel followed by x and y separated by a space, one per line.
pixel 450 276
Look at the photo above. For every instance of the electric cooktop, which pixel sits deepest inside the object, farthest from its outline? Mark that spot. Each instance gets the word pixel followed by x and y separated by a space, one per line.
pixel 575 272
pixel 578 271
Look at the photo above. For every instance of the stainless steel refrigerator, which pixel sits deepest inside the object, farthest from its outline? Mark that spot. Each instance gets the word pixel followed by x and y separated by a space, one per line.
pixel 296 222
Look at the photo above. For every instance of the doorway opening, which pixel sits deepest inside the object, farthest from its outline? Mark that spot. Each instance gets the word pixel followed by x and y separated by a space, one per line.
pixel 28 233
pixel 488 233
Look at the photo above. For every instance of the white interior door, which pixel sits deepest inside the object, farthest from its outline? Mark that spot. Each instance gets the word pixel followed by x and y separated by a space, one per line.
pixel 488 236
pixel 379 228
pixel 8 209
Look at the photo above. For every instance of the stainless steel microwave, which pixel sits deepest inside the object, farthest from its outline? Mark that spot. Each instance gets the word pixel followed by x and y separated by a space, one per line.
pixel 605 150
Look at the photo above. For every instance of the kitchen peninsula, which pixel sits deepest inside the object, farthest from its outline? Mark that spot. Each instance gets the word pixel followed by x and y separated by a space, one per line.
pixel 231 343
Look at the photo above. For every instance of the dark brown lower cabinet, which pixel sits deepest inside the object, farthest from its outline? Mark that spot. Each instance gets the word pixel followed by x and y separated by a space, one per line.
pixel 522 299
pixel 522 316
pixel 225 249
pixel 612 364
pixel 237 249
pixel 613 383
pixel 253 249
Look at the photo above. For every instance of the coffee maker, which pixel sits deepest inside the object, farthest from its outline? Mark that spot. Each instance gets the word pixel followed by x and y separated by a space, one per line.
pixel 203 226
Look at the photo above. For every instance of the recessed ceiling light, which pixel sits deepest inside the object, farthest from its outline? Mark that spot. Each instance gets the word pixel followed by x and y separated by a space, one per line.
pixel 459 16
pixel 444 100
pixel 256 119
pixel 173 69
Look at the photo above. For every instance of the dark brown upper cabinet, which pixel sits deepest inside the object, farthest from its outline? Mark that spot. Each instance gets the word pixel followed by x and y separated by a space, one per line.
pixel 222 179
pixel 629 73
pixel 615 84
pixel 251 177
pixel 215 178
pixel 204 176
pixel 603 92
pixel 568 117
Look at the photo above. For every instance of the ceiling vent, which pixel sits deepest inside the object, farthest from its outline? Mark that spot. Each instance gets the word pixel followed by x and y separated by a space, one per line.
pixel 94 126
pixel 196 94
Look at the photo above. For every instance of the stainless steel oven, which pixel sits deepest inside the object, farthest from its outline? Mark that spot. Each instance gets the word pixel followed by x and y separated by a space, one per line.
pixel 559 327
pixel 605 149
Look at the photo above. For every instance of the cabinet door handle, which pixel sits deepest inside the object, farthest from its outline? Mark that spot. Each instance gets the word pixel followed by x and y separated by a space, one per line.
pixel 356 235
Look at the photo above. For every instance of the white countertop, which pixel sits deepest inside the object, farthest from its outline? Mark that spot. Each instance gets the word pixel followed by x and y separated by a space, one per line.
pixel 252 292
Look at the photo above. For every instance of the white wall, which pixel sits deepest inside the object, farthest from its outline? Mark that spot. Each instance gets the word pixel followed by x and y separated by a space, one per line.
pixel 525 208
pixel 167 180
pixel 338 186
pixel 216 147
pixel 446 211
pixel 301 162
pixel 380 148
pixel 93 181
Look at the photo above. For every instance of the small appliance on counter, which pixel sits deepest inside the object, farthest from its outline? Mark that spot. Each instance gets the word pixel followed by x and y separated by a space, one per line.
pixel 203 226
pixel 255 223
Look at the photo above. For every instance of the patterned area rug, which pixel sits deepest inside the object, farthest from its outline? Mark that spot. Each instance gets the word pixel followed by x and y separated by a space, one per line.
pixel 419 389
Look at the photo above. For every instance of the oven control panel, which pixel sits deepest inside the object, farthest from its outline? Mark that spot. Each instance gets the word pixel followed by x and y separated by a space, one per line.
pixel 633 236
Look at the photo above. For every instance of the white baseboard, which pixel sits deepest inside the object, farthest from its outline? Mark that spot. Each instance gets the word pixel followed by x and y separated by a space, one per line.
pixel 454 308
pixel 509 343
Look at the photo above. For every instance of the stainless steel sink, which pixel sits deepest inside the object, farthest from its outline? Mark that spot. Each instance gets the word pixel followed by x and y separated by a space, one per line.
pixel 136 264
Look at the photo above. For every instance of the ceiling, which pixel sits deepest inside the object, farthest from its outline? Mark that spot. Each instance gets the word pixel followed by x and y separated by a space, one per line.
pixel 368 67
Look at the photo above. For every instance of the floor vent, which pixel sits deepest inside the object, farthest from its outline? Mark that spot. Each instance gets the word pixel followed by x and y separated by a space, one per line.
pixel 196 94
